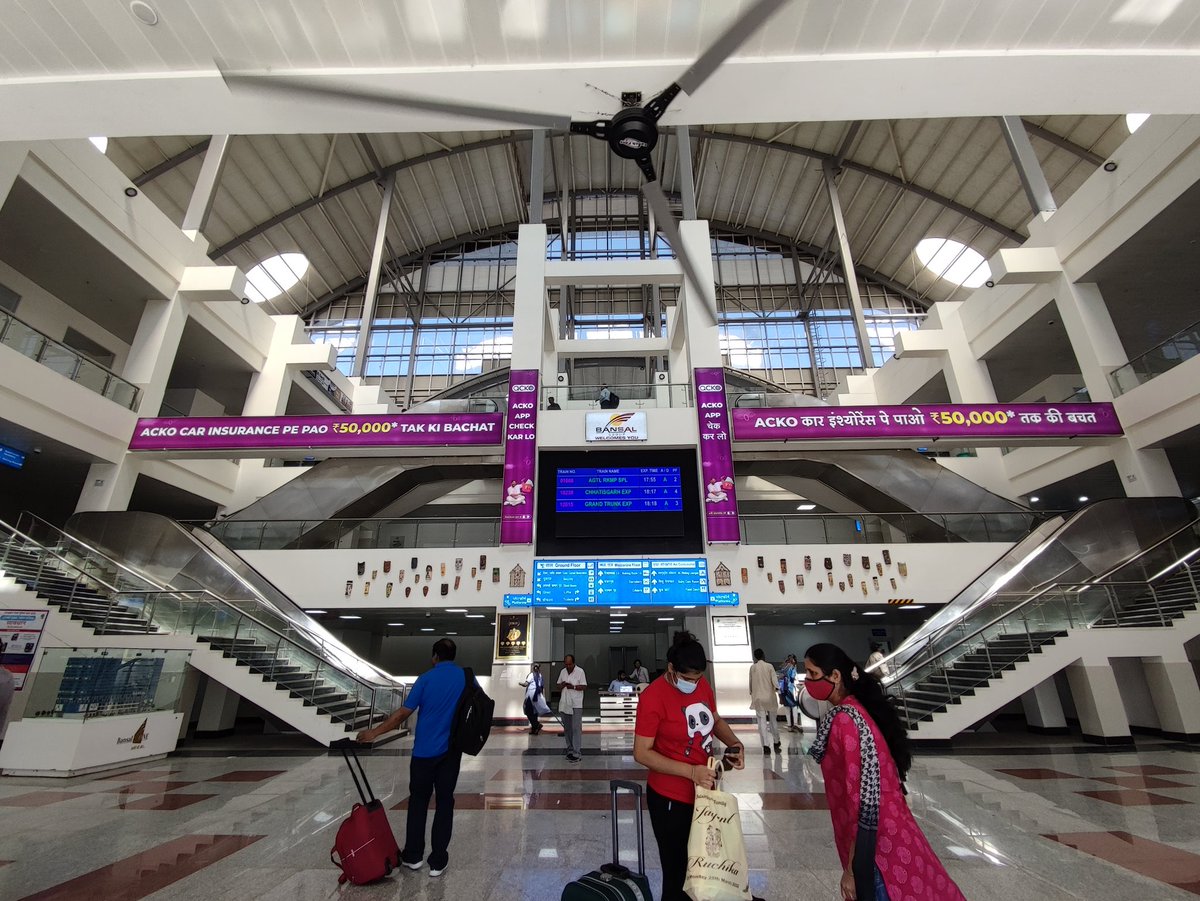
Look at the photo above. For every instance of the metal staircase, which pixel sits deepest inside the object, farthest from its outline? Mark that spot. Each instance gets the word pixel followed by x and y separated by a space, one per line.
pixel 1157 589
pixel 108 599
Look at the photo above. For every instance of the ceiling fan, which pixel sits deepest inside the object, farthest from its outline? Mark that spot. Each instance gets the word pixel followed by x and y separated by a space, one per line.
pixel 631 134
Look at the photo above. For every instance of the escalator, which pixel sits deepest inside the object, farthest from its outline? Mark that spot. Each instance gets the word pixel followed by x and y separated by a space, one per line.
pixel 895 481
pixel 1121 563
pixel 317 507
pixel 143 574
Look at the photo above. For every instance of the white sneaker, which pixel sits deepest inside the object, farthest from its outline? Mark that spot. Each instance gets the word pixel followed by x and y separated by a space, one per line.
pixel 413 866
pixel 433 872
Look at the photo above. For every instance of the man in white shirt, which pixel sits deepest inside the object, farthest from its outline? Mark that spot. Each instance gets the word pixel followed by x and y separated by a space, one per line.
pixel 876 660
pixel 640 675
pixel 572 682
pixel 764 698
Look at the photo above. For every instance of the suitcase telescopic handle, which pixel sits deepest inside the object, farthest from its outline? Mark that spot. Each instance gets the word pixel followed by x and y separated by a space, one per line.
pixel 350 754
pixel 615 786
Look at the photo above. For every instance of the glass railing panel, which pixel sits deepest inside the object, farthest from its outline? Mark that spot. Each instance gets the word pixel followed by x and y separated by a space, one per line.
pixel 1158 360
pixel 121 392
pixel 477 533
pixel 91 375
pixel 763 530
pixel 23 339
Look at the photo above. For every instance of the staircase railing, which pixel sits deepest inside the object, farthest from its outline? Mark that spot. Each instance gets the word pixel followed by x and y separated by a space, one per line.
pixel 1036 617
pixel 199 613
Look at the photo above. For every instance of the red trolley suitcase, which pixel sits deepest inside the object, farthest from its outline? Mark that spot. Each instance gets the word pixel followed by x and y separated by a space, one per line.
pixel 365 847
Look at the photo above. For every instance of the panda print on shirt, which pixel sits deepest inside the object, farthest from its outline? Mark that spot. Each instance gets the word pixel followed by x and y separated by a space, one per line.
pixel 700 723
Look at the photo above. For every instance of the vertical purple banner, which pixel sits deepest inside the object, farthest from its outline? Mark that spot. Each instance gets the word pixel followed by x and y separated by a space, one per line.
pixel 716 457
pixel 520 458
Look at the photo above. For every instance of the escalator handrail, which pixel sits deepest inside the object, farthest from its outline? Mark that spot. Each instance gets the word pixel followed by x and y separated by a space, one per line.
pixel 204 594
pixel 913 664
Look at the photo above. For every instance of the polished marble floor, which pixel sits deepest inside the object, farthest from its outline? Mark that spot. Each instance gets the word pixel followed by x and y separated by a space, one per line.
pixel 237 821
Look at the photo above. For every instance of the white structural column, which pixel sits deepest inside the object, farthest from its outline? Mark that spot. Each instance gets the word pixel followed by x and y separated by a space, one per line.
pixel 12 157
pixel 1098 702
pixel 1043 708
pixel 290 352
pixel 374 274
pixel 532 328
pixel 1098 351
pixel 195 220
pixel 537 176
pixel 151 356
pixel 1176 695
pixel 1029 167
pixel 848 273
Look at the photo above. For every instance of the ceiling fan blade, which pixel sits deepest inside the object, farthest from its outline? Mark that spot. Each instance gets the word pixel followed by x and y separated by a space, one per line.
pixel 320 89
pixel 734 36
pixel 665 220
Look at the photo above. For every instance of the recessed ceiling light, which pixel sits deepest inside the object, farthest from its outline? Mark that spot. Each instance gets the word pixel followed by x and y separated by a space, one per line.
pixel 626 607
pixel 492 623
pixel 751 614
pixel 1134 121
pixel 617 615
pixel 143 12
pixel 874 612
pixel 685 606
pixel 810 624
pixel 827 620
pixel 807 507
pixel 348 616
pixel 914 607
pixel 456 609
pixel 1083 498
pixel 570 619
pixel 100 143
pixel 474 616
pixel 666 619
pixel 1034 499
pixel 426 629
pixel 395 624
pixel 314 612
pixel 556 608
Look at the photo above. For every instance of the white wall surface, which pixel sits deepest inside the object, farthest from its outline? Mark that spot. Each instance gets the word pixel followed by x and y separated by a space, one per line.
pixel 1135 692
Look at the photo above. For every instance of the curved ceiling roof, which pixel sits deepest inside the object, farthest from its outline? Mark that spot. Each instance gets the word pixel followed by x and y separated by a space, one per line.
pixel 901 181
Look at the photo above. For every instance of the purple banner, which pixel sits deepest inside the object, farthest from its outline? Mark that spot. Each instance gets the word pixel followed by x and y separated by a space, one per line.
pixel 221 433
pixel 520 458
pixel 716 457
pixel 987 421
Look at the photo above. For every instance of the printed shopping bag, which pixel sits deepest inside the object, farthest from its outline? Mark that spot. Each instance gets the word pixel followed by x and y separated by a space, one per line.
pixel 717 866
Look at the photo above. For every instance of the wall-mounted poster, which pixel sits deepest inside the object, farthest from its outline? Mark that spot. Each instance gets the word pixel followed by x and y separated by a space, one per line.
pixel 20 632
pixel 730 630
pixel 513 640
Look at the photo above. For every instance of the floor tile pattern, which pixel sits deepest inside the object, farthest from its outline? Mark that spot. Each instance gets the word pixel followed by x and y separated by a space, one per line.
pixel 1012 818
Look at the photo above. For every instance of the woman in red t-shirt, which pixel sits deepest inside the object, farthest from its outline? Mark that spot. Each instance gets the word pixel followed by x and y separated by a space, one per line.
pixel 676 721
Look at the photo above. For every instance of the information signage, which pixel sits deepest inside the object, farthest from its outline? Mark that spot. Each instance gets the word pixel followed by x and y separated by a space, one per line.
pixel 227 433
pixel 716 457
pixel 10 456
pixel 520 458
pixel 629 582
pixel 513 643
pixel 20 632
pixel 620 489
pixel 922 421
pixel 616 427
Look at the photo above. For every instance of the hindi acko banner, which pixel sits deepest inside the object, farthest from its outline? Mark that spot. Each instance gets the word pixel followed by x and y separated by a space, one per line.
pixel 218 433
pixel 716 457
pixel 988 421
pixel 520 458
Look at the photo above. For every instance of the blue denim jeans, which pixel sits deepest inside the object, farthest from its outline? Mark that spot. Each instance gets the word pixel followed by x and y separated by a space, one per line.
pixel 880 889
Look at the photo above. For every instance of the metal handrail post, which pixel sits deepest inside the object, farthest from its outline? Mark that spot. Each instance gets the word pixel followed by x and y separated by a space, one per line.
pixel 275 658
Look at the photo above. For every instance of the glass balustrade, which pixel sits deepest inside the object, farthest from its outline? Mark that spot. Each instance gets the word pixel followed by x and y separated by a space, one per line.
pixel 1164 357
pixel 326 534
pixel 54 355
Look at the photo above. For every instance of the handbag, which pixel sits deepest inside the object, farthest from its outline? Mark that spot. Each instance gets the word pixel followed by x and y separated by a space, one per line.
pixel 718 869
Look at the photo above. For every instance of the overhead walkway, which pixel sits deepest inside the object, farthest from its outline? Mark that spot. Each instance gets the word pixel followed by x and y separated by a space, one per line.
pixel 1061 595
pixel 155 583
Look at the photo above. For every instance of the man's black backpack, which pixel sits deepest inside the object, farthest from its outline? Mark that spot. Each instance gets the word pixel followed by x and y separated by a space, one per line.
pixel 472 719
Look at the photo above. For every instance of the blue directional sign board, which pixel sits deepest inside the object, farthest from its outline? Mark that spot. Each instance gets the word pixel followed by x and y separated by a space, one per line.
pixel 607 583
pixel 10 456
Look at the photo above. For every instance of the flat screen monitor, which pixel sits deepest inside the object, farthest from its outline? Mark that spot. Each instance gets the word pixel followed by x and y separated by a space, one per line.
pixel 616 502
pixel 620 582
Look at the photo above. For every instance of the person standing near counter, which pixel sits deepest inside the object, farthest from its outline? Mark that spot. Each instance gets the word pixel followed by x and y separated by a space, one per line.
pixel 534 687
pixel 640 675
pixel 572 682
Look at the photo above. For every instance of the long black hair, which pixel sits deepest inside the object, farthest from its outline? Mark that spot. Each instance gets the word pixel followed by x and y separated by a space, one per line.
pixel 868 690
pixel 686 654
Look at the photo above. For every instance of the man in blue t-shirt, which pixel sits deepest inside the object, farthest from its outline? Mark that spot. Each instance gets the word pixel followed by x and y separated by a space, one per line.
pixel 435 765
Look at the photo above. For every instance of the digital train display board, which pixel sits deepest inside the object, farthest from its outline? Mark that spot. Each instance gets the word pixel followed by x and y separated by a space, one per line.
pixel 618 489
pixel 607 583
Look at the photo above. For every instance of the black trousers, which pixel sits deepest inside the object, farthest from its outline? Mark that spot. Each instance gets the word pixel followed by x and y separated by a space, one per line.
pixel 672 823
pixel 427 775
pixel 531 715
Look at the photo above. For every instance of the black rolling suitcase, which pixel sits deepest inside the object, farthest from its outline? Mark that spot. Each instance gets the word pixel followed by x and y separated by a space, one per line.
pixel 614 882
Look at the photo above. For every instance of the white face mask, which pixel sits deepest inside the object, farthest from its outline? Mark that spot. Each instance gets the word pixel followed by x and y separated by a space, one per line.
pixel 685 686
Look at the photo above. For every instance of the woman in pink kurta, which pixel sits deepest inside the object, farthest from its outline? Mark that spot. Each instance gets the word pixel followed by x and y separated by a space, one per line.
pixel 863 752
